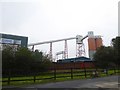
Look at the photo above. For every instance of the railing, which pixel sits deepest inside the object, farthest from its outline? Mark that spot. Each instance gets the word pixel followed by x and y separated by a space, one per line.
pixel 70 73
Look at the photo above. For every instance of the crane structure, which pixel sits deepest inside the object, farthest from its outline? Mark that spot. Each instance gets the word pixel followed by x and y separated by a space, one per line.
pixel 80 48
pixel 60 53
pixel 51 42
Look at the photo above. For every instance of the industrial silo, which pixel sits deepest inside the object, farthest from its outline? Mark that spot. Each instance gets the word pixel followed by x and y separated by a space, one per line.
pixel 91 46
pixel 93 43
pixel 98 41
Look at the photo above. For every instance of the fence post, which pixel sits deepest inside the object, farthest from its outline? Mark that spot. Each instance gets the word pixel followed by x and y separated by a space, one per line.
pixel 54 74
pixel 107 72
pixel 118 69
pixel 8 80
pixel 54 71
pixel 71 73
pixel 85 70
pixel 9 77
pixel 115 70
pixel 34 78
pixel 85 73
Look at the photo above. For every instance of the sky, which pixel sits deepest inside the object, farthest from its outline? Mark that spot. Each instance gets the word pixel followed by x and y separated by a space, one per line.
pixel 44 20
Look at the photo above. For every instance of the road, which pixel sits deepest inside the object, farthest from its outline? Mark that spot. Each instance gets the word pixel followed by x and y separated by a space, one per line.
pixel 104 82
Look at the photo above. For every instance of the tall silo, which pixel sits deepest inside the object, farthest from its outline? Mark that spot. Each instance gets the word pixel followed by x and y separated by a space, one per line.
pixel 93 43
pixel 92 47
pixel 98 41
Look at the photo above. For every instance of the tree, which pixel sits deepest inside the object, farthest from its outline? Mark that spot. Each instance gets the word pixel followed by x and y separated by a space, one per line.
pixel 41 61
pixel 8 59
pixel 108 56
pixel 104 56
pixel 23 60
pixel 116 46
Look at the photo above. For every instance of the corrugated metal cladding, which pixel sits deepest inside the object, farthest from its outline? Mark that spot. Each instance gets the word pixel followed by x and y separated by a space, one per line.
pixel 14 39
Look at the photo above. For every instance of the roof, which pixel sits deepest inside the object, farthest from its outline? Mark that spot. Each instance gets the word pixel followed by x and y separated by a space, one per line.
pixel 77 59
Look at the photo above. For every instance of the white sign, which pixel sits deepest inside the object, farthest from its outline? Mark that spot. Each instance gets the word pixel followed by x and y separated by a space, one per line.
pixel 10 41
pixel 7 41
pixel 17 42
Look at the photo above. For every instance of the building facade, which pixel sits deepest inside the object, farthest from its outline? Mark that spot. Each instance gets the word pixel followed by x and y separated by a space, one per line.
pixel 94 42
pixel 13 40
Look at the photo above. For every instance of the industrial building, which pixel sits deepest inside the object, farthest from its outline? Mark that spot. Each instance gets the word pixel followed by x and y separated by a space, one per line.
pixel 77 59
pixel 94 42
pixel 76 63
pixel 13 40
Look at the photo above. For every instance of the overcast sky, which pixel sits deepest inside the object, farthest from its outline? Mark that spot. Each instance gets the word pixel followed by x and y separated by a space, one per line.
pixel 44 20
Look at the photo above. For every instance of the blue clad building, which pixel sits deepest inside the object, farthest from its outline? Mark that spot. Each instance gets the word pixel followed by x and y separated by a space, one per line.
pixel 77 59
pixel 15 40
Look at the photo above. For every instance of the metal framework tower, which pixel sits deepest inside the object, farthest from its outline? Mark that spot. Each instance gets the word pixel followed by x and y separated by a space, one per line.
pixel 66 50
pixel 60 53
pixel 33 48
pixel 80 47
pixel 80 50
pixel 50 54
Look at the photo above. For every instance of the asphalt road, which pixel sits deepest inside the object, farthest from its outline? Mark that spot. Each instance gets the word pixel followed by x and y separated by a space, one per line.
pixel 104 82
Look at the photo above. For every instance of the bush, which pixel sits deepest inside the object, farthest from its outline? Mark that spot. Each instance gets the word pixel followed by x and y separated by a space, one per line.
pixel 23 61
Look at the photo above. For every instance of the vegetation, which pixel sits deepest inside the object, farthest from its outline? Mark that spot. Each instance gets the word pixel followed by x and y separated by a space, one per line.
pixel 22 61
pixel 61 75
pixel 116 46
pixel 104 57
pixel 108 57
pixel 23 66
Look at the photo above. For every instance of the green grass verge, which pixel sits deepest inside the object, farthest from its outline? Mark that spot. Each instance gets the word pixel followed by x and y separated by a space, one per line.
pixel 66 76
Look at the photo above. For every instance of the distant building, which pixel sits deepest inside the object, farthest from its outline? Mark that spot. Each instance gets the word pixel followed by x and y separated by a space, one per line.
pixel 13 40
pixel 74 63
pixel 77 59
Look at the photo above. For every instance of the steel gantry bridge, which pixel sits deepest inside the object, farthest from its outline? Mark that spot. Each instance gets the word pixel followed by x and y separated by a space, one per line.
pixel 80 48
